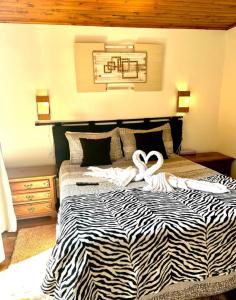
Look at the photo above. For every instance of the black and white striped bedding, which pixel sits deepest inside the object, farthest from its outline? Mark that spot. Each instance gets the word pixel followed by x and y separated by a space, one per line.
pixel 131 244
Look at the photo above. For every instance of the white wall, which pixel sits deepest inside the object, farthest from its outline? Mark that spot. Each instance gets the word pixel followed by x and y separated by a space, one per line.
pixel 227 115
pixel 41 56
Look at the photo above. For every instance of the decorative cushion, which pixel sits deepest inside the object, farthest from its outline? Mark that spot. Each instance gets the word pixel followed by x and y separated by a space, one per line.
pixel 129 143
pixel 76 151
pixel 151 141
pixel 96 152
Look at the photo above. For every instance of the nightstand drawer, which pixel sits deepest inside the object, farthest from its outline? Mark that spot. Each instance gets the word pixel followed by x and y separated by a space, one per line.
pixel 17 198
pixel 29 185
pixel 29 210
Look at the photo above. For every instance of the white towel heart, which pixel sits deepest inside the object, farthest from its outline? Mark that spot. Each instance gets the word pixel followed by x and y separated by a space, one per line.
pixel 142 166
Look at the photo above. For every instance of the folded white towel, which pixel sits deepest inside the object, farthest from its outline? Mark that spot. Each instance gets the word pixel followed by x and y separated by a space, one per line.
pixel 118 176
pixel 165 182
pixel 200 185
pixel 157 183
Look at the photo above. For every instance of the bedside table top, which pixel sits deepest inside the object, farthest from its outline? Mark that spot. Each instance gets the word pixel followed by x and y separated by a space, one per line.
pixel 36 171
pixel 208 156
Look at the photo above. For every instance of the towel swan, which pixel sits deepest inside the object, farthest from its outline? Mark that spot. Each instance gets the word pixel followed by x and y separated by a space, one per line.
pixel 158 182
pixel 139 164
pixel 166 182
pixel 150 171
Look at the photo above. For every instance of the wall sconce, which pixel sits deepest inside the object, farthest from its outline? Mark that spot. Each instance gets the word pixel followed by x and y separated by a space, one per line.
pixel 183 100
pixel 43 104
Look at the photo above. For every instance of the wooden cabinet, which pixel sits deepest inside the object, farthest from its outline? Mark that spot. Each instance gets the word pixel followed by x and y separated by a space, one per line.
pixel 213 160
pixel 33 191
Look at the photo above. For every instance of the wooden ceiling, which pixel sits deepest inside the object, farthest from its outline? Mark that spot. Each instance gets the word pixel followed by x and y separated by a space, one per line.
pixel 202 14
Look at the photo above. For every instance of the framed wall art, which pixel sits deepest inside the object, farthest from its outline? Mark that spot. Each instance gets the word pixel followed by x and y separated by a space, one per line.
pixel 119 67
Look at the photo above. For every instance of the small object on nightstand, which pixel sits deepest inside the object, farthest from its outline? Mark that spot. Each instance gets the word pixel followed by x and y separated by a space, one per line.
pixel 33 191
pixel 213 160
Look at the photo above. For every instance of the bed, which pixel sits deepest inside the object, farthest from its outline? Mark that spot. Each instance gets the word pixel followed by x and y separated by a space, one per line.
pixel 125 243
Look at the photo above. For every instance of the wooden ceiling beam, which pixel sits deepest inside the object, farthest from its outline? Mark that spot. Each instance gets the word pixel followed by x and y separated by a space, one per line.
pixel 205 14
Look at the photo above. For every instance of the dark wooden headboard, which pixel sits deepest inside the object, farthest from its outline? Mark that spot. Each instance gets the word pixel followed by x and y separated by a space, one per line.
pixel 61 145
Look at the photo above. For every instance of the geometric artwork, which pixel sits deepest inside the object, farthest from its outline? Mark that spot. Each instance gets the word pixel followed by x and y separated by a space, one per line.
pixel 117 67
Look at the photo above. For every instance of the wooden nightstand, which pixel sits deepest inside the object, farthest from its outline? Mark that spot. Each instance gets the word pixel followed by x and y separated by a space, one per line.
pixel 33 191
pixel 213 160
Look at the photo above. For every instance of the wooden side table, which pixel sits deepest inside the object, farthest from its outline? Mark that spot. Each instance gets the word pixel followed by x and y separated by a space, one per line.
pixel 213 160
pixel 33 191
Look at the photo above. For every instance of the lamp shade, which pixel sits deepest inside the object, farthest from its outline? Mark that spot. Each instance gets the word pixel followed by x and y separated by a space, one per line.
pixel 43 105
pixel 183 101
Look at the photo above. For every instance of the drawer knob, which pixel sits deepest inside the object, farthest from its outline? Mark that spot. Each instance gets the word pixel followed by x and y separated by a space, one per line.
pixel 31 209
pixel 29 197
pixel 46 184
pixel 28 185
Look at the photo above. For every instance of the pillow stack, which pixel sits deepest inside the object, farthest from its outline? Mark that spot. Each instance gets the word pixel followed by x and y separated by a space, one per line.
pixel 103 148
pixel 160 140
pixel 106 147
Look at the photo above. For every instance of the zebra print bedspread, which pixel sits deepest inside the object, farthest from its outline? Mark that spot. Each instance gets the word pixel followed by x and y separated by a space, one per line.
pixel 131 244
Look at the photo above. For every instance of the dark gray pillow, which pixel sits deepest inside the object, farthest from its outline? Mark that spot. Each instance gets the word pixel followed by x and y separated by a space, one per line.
pixel 96 152
pixel 150 141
